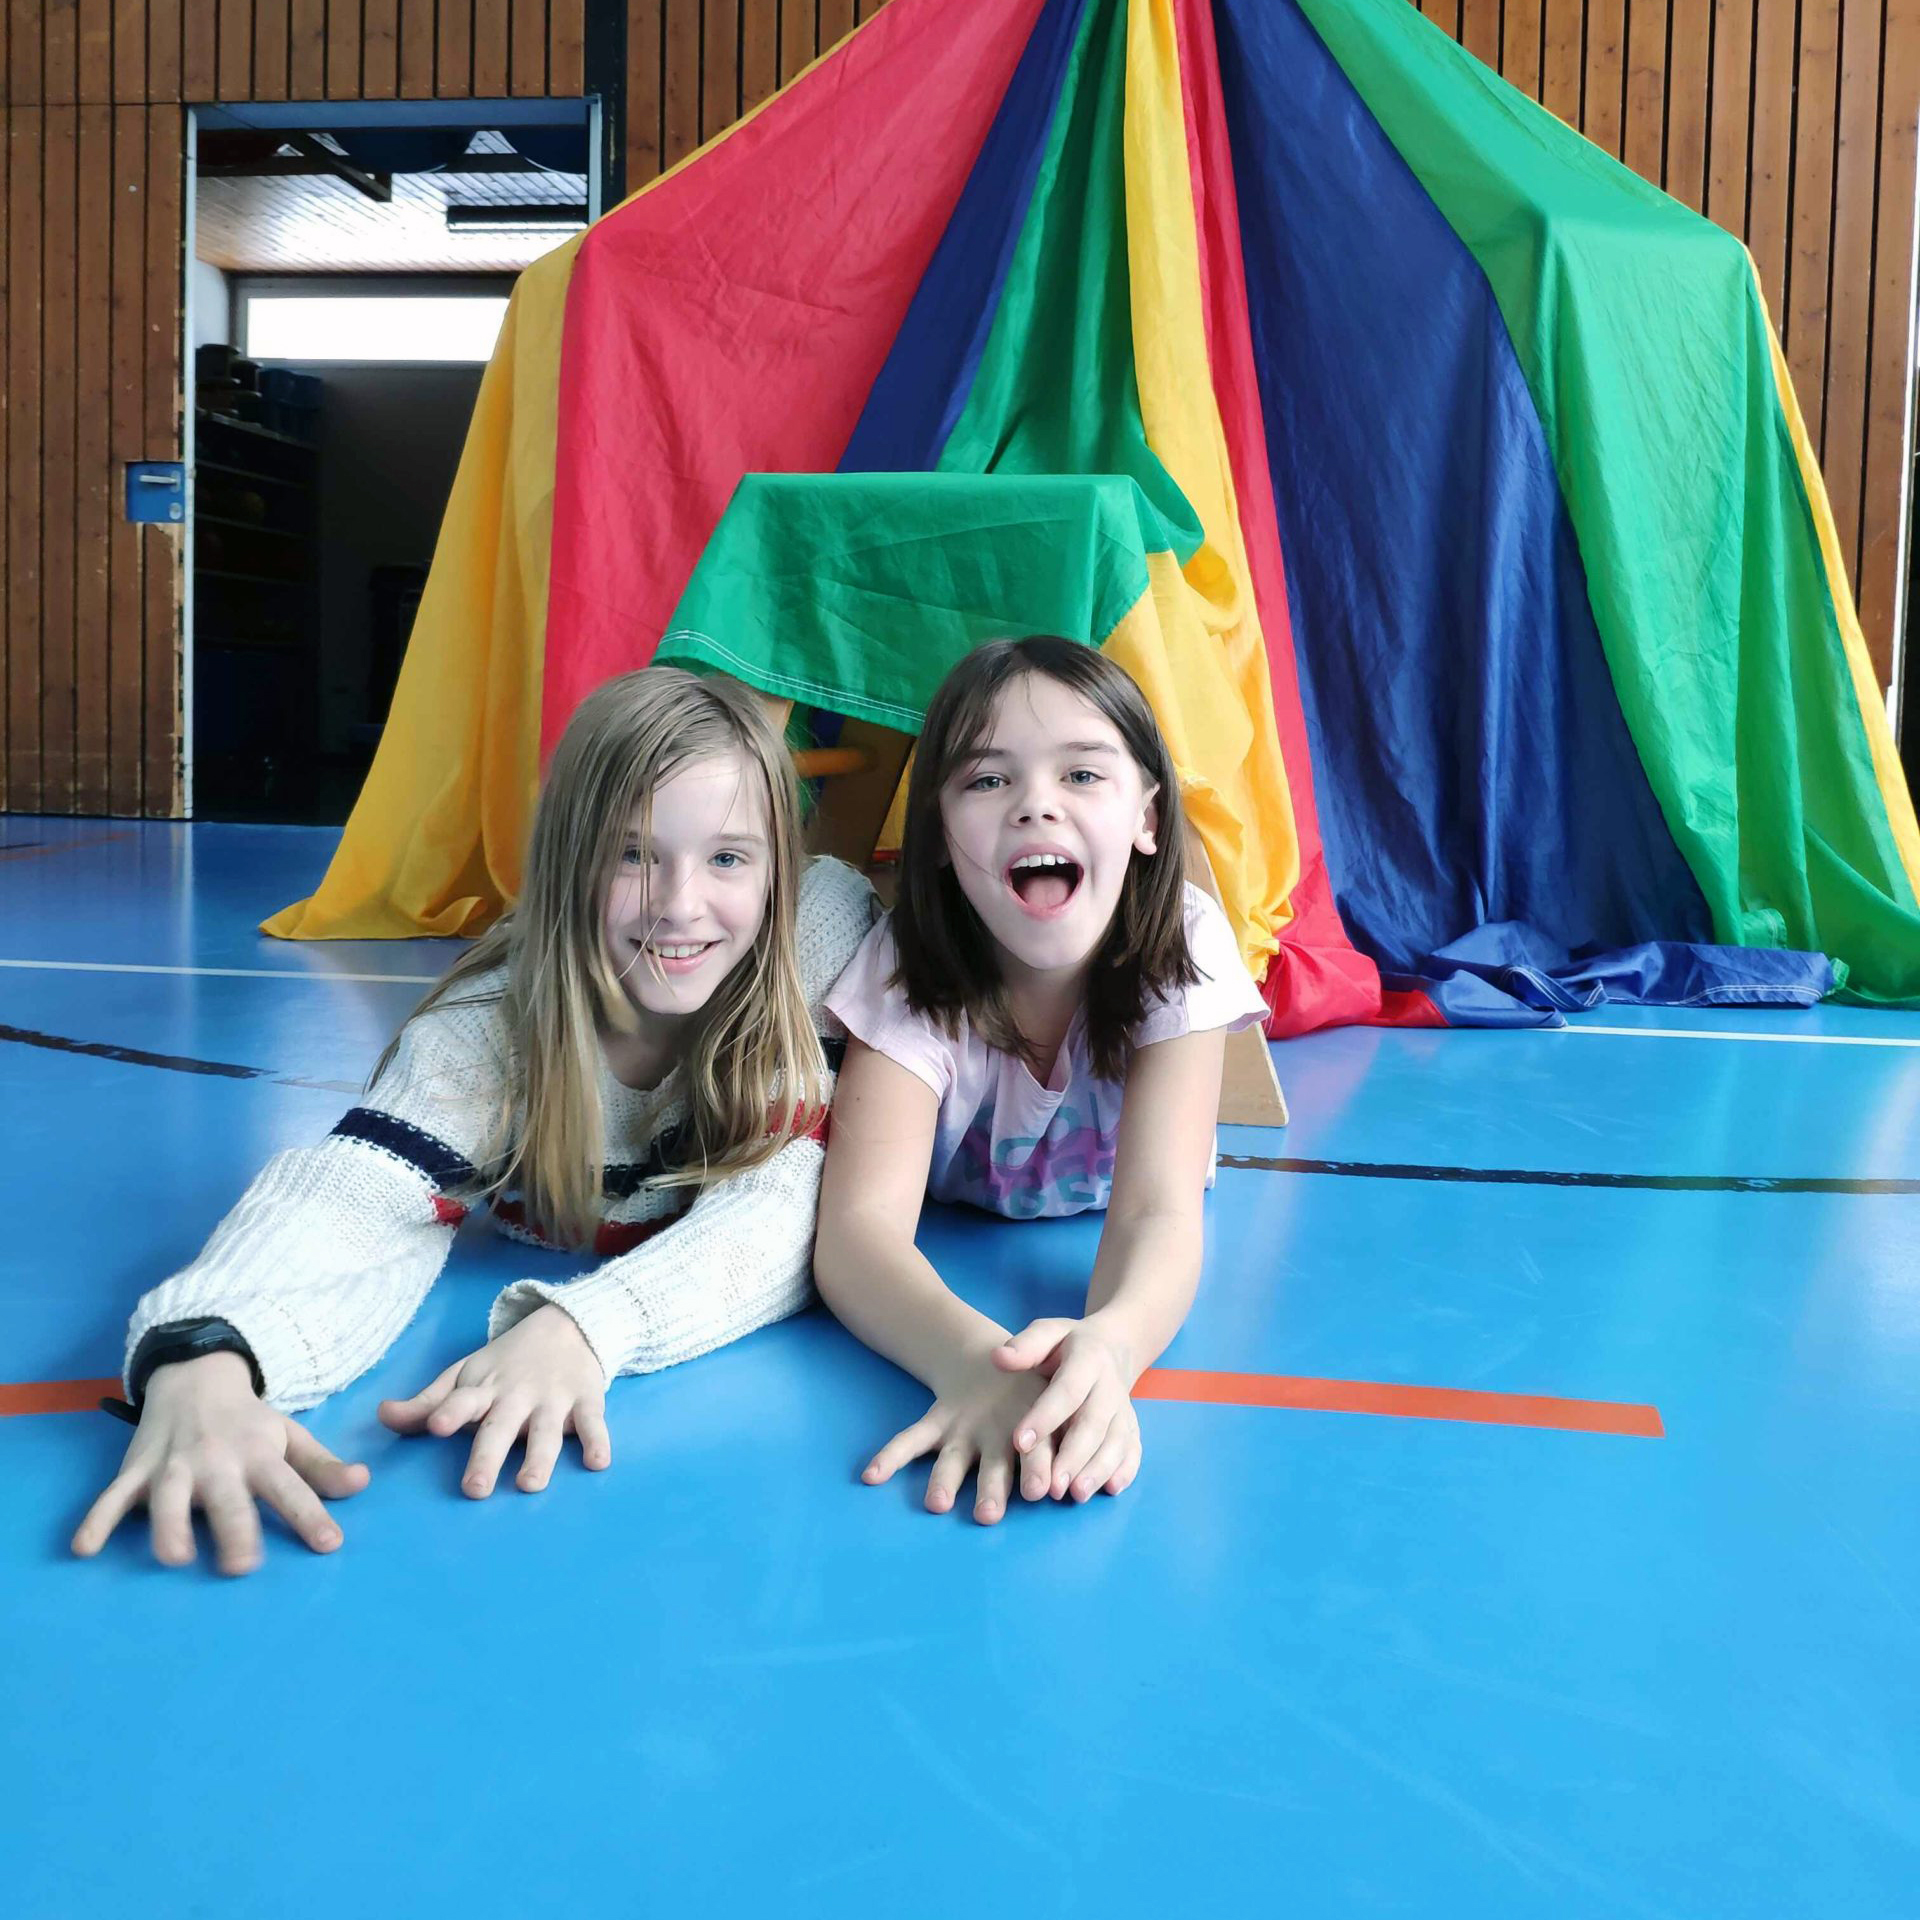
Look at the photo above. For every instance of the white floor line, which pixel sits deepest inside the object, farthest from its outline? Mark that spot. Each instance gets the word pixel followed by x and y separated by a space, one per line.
pixel 1720 1033
pixel 427 980
pixel 222 973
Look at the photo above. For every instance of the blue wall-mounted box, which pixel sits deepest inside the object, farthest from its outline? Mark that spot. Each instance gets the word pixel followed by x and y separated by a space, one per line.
pixel 156 491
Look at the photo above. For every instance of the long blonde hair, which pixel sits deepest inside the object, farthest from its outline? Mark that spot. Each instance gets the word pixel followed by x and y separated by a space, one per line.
pixel 754 1071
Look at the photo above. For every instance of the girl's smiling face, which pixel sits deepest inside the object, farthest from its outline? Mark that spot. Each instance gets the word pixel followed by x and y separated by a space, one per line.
pixel 682 913
pixel 1042 822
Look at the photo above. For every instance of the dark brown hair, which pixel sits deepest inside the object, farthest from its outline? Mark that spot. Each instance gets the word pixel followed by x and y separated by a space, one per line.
pixel 947 963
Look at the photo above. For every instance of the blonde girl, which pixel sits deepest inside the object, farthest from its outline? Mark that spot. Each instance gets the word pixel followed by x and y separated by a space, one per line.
pixel 627 1062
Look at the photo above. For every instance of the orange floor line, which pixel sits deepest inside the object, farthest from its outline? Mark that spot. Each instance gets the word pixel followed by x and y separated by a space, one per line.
pixel 55 1396
pixel 1407 1403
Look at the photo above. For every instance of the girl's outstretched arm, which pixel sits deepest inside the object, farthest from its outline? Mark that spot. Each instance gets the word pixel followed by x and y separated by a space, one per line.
pixel 324 1260
pixel 885 1290
pixel 1143 1278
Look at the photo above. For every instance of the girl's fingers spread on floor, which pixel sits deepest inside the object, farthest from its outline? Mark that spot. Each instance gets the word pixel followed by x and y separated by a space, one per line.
pixel 298 1505
pixel 1089 1479
pixel 1036 1470
pixel 545 1431
pixel 1129 1465
pixel 908 1444
pixel 106 1513
pixel 1081 1441
pixel 235 1522
pixel 995 1486
pixel 1066 1394
pixel 491 1445
pixel 461 1408
pixel 596 1444
pixel 409 1416
pixel 948 1476
pixel 324 1471
pixel 170 1515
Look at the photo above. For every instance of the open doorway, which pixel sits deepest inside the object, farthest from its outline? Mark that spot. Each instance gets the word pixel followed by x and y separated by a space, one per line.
pixel 349 269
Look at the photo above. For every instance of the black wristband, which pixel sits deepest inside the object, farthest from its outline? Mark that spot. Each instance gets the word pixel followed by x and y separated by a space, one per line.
pixel 176 1340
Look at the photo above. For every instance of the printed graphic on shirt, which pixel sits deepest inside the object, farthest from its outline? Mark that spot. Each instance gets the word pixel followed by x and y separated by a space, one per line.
pixel 1067 1169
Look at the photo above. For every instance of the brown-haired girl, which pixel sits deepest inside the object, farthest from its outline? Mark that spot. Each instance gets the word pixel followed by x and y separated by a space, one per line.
pixel 626 1062
pixel 1037 1029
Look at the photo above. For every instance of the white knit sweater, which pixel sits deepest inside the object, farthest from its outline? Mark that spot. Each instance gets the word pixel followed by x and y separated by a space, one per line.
pixel 332 1249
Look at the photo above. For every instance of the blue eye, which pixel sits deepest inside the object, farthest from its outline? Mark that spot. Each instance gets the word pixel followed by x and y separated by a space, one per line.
pixel 1083 776
pixel 632 856
pixel 985 783
pixel 727 861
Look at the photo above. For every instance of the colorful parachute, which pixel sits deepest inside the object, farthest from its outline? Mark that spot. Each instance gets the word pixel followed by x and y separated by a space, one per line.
pixel 1440 479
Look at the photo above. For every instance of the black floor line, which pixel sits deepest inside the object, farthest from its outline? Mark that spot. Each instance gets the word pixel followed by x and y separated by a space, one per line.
pixel 169 1062
pixel 1547 1177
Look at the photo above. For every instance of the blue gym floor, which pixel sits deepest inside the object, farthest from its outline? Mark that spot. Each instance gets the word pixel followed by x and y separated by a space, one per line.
pixel 1312 1664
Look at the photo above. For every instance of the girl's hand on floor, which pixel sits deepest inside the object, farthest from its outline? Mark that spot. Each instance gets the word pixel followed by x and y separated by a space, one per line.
pixel 539 1379
pixel 970 1424
pixel 1086 1410
pixel 207 1440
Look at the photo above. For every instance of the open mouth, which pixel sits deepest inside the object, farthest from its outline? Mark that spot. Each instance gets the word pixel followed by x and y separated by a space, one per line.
pixel 1044 883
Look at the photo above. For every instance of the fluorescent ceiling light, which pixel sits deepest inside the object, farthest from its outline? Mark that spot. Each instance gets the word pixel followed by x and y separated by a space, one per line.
pixel 552 218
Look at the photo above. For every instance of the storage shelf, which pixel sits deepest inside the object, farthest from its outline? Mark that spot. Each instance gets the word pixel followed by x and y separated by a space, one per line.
pixel 253 473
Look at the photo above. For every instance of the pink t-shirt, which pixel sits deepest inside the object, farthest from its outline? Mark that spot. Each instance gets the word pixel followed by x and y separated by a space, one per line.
pixel 1002 1141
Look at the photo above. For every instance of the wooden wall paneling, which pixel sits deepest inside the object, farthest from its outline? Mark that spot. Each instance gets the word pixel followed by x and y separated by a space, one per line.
pixel 836 22
pixel 1887 451
pixel 1730 114
pixel 93 458
pixel 527 60
pixel 130 28
pixel 492 47
pixel 59 52
pixel 680 82
pixel 160 725
pixel 379 49
pixel 798 42
pixel 1603 94
pixel 272 32
pixel 1643 138
pixel 164 51
pixel 344 28
pixel 1811 239
pixel 643 92
pixel 567 48
pixel 1562 57
pixel 1688 74
pixel 416 49
pixel 719 66
pixel 453 49
pixel 1480 30
pixel 233 61
pixel 94 65
pixel 23 454
pixel 307 49
pixel 200 50
pixel 126 217
pixel 56 503
pixel 6 470
pixel 25 45
pixel 759 51
pixel 1445 14
pixel 1856 152
pixel 1520 25
pixel 1770 151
